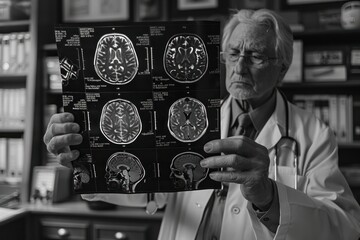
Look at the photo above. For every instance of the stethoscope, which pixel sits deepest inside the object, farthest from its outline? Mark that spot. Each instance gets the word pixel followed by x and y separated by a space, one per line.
pixel 286 145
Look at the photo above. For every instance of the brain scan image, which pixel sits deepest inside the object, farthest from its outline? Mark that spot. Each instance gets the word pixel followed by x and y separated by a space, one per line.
pixel 187 120
pixel 186 172
pixel 123 172
pixel 185 58
pixel 80 176
pixel 120 121
pixel 115 59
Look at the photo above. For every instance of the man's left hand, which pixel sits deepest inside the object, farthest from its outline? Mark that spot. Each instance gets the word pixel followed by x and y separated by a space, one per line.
pixel 245 162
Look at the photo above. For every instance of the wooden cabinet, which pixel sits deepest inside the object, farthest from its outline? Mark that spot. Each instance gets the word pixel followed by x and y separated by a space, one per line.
pixel 111 231
pixel 64 228
pixel 52 228
pixel 13 226
pixel 75 221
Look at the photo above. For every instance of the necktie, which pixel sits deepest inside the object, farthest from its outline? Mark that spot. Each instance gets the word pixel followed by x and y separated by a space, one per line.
pixel 244 126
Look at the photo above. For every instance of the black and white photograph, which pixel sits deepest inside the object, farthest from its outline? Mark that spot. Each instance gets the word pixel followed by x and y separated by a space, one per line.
pixel 180 119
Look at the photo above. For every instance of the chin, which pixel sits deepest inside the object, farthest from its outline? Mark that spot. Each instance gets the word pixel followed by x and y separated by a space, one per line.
pixel 240 94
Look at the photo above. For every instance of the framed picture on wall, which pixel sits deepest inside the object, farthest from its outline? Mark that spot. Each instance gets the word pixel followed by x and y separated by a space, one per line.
pixel 95 10
pixel 311 4
pixel 196 4
pixel 196 8
pixel 148 9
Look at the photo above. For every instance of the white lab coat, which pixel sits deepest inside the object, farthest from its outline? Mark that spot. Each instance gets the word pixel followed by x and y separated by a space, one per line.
pixel 322 207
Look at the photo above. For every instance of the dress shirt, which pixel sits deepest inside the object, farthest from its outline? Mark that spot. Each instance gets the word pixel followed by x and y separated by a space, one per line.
pixel 214 211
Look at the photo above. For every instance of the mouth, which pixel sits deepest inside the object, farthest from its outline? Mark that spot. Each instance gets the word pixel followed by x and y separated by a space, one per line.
pixel 241 83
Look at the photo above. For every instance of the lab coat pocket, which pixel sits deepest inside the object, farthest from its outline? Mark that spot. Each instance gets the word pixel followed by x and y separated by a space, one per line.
pixel 286 176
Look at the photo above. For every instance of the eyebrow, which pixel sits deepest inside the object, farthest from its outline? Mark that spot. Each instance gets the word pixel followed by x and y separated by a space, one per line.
pixel 251 47
pixel 257 46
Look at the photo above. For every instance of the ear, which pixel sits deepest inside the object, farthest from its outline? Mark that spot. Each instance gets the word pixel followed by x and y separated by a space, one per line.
pixel 283 71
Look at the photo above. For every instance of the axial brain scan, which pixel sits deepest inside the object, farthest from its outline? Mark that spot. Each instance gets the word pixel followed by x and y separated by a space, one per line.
pixel 115 59
pixel 185 58
pixel 187 120
pixel 123 172
pixel 186 172
pixel 120 121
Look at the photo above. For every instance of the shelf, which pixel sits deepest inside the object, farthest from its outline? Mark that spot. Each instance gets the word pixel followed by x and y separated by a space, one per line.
pixel 12 132
pixel 349 83
pixel 353 145
pixel 50 47
pixel 323 33
pixel 14 26
pixel 11 78
pixel 54 92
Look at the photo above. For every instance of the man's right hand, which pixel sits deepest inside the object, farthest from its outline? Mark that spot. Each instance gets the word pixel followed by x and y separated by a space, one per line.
pixel 60 134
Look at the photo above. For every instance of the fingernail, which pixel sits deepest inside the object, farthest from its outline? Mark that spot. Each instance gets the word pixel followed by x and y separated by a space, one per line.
pixel 69 117
pixel 75 128
pixel 76 154
pixel 78 138
pixel 203 163
pixel 208 147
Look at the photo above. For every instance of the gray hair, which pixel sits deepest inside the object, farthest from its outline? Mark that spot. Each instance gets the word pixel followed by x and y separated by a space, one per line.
pixel 271 20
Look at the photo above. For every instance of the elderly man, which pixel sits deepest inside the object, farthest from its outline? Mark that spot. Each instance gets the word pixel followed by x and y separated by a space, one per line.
pixel 280 164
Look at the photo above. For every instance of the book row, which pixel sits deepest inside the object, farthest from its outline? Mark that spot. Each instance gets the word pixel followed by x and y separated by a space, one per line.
pixel 11 159
pixel 14 52
pixel 12 108
pixel 340 112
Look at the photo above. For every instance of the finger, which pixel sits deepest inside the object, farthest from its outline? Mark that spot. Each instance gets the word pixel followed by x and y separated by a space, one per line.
pixel 61 142
pixel 56 129
pixel 66 158
pixel 227 161
pixel 61 118
pixel 55 119
pixel 247 178
pixel 235 145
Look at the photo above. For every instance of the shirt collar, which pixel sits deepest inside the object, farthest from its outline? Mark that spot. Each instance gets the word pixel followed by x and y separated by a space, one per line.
pixel 259 115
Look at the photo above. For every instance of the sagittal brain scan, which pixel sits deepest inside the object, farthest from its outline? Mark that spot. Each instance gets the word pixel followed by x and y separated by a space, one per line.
pixel 186 172
pixel 115 59
pixel 120 121
pixel 187 120
pixel 123 172
pixel 185 58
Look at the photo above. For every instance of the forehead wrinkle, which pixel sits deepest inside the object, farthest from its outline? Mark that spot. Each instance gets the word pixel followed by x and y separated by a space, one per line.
pixel 247 46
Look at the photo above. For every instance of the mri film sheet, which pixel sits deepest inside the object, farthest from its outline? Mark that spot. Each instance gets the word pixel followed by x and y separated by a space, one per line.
pixel 147 99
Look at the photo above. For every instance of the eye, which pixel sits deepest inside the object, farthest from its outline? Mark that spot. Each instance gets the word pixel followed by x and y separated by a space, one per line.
pixel 233 55
pixel 258 56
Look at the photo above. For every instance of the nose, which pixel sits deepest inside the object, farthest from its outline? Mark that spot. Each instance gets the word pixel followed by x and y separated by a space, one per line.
pixel 241 66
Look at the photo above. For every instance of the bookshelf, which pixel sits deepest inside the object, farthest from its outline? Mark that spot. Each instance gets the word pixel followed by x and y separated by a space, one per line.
pixel 15 84
pixel 342 40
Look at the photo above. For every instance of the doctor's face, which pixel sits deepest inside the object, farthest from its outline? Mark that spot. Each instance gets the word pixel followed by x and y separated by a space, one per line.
pixel 252 71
